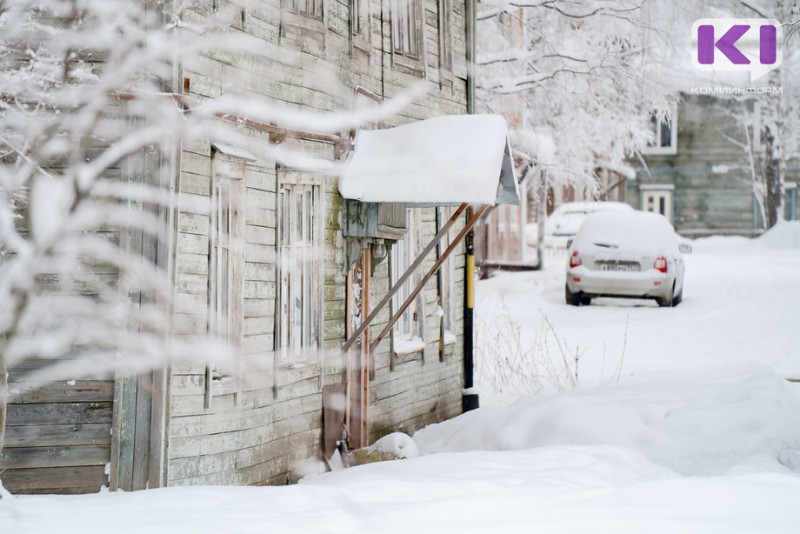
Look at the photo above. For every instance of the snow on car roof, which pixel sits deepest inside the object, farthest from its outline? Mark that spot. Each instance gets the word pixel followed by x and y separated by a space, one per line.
pixel 638 230
pixel 594 205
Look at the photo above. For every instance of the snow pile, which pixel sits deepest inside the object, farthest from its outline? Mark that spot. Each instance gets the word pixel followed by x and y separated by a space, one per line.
pixel 398 444
pixel 558 490
pixel 711 425
pixel 785 234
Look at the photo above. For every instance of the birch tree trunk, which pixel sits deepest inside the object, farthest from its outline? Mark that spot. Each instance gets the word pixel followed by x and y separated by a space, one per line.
pixel 773 154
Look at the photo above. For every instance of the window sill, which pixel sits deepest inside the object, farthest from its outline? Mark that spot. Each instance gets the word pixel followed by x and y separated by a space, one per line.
pixel 411 64
pixel 225 386
pixel 361 42
pixel 289 373
pixel 405 345
pixel 659 151
pixel 304 26
pixel 448 338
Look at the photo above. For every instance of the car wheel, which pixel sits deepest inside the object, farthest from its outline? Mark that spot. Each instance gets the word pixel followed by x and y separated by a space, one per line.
pixel 667 302
pixel 677 299
pixel 585 301
pixel 573 299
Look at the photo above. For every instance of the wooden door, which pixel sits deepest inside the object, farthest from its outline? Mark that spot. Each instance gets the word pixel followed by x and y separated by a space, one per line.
pixel 658 202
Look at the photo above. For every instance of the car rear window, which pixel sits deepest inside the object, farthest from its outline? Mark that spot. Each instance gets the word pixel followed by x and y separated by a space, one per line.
pixel 632 230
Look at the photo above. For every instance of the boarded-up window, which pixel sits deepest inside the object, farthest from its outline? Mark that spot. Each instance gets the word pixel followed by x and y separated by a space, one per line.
pixel 299 260
pixel 407 331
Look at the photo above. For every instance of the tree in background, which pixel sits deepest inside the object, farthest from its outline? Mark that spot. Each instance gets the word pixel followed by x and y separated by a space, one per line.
pixel 780 115
pixel 583 75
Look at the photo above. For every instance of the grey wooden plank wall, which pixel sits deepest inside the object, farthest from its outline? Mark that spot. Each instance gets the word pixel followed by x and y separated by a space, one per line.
pixel 58 435
pixel 711 175
pixel 267 433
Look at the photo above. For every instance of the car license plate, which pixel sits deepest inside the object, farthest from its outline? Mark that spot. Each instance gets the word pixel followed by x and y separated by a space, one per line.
pixel 624 267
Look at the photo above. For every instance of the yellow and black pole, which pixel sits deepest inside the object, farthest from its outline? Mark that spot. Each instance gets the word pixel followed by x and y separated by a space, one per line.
pixel 470 397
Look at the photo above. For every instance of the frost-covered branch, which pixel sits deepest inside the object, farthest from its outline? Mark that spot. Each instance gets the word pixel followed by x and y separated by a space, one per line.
pixel 598 10
pixel 587 74
pixel 89 124
pixel 751 7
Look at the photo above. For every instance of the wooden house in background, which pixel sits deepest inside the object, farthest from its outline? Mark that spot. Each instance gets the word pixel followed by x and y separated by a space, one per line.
pixel 698 171
pixel 302 284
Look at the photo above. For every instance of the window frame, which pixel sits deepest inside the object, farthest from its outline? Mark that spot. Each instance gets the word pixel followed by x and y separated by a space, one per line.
pixel 407 336
pixel 289 349
pixel 655 124
pixel 306 24
pixel 361 25
pixel 226 270
pixel 410 59
pixel 445 42
pixel 663 191
pixel 447 290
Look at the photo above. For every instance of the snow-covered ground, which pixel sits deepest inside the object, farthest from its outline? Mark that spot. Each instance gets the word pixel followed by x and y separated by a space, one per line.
pixel 679 420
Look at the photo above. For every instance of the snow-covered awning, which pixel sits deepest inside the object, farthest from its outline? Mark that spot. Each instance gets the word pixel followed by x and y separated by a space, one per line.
pixel 446 160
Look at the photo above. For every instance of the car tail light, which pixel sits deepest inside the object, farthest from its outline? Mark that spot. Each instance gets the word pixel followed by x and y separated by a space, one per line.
pixel 660 264
pixel 575 259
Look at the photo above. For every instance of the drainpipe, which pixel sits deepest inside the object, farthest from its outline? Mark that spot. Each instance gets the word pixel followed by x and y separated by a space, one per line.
pixel 469 400
pixel 471 54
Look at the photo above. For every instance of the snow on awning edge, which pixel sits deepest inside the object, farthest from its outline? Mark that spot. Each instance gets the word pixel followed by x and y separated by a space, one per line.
pixel 441 161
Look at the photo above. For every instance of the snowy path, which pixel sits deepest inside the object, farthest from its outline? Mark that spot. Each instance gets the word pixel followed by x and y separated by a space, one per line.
pixel 741 304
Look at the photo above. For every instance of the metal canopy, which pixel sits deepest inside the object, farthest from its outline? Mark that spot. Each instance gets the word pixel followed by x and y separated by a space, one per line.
pixel 442 161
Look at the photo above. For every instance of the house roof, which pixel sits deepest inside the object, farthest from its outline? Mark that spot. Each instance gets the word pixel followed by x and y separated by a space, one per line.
pixel 445 160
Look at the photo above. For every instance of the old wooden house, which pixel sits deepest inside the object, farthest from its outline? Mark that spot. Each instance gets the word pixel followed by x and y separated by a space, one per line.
pixel 704 167
pixel 313 266
pixel 502 236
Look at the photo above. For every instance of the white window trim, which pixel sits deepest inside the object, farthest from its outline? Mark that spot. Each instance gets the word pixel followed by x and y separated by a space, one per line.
pixel 404 344
pixel 672 149
pixel 411 341
pixel 659 188
pixel 447 300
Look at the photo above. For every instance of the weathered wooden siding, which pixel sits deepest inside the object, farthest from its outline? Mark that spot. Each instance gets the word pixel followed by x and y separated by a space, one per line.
pixel 410 393
pixel 265 434
pixel 58 435
pixel 713 190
